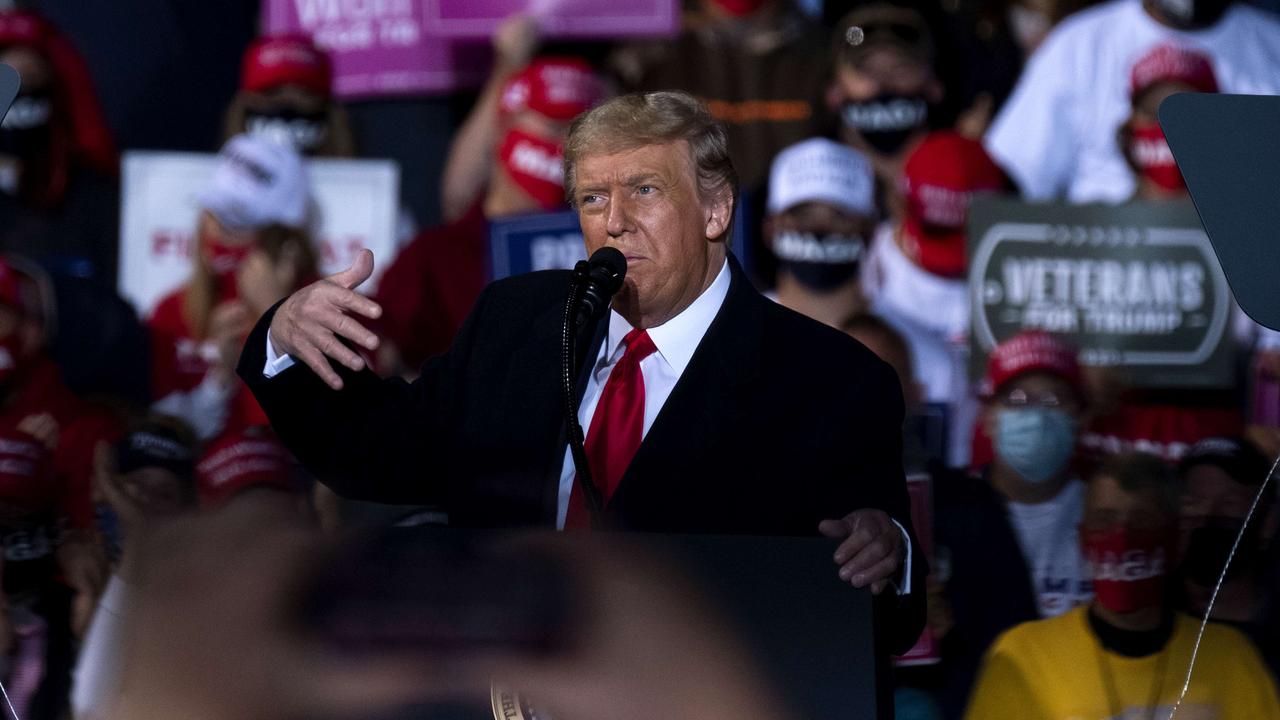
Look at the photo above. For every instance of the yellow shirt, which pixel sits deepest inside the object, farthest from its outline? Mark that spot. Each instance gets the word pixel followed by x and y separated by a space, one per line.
pixel 1056 669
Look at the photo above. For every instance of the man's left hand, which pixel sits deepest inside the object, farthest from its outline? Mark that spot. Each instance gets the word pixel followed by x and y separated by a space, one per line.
pixel 872 550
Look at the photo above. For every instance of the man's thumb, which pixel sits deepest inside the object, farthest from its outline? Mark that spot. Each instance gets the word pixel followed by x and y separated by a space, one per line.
pixel 360 270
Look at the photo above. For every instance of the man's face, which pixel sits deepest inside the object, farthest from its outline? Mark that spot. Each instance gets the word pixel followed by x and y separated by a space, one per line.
pixel 821 219
pixel 1035 389
pixel 1108 505
pixel 645 203
pixel 1211 495
pixel 882 70
pixel 157 492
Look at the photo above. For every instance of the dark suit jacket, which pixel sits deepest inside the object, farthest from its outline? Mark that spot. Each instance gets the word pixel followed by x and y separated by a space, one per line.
pixel 777 423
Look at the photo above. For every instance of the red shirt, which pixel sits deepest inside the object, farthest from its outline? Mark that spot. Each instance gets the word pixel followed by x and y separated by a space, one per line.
pixel 430 288
pixel 61 485
pixel 180 363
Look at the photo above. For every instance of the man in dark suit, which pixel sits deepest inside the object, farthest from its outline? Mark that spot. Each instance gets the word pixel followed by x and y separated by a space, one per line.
pixel 708 408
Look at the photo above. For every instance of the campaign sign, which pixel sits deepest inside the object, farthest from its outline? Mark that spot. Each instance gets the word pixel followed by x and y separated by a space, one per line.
pixel 556 18
pixel 553 241
pixel 1133 286
pixel 355 205
pixel 380 48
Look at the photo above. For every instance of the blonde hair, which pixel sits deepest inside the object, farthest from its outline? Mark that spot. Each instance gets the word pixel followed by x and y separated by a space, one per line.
pixel 632 121
pixel 200 294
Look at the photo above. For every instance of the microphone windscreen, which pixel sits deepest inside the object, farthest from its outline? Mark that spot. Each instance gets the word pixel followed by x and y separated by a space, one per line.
pixel 612 261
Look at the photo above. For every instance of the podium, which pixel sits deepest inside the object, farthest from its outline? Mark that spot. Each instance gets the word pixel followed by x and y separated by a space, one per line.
pixel 1225 146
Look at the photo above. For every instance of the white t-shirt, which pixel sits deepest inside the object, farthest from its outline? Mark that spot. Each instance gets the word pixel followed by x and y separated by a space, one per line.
pixel 1056 135
pixel 932 314
pixel 1047 533
pixel 96 677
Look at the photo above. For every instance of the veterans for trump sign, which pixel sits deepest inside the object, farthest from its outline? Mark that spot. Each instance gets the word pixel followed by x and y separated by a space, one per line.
pixel 1134 286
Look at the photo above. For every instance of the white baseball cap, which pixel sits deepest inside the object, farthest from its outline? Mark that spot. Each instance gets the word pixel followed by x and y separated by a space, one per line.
pixel 821 170
pixel 256 183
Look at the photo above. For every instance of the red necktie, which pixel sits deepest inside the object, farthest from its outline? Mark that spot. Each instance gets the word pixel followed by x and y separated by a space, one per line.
pixel 616 427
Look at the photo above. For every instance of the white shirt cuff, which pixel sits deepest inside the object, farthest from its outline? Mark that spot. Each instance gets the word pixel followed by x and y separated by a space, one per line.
pixel 276 364
pixel 905 588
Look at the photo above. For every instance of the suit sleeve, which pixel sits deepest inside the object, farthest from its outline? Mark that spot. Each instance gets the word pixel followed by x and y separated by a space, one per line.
pixel 878 454
pixel 377 439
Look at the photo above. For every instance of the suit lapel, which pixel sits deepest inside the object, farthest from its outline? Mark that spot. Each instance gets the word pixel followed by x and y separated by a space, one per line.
pixel 708 391
pixel 588 348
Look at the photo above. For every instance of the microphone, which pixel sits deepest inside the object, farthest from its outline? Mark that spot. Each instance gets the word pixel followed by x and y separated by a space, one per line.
pixel 601 276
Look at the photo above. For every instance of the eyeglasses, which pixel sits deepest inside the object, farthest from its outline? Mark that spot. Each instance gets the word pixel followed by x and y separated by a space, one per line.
pixel 1018 398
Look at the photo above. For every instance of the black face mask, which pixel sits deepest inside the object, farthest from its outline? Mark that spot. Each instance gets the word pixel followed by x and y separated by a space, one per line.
pixel 1209 546
pixel 1191 14
pixel 304 132
pixel 25 129
pixel 886 121
pixel 819 263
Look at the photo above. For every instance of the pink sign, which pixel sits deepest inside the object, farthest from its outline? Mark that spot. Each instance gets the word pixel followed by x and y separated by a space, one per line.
pixel 380 47
pixel 556 18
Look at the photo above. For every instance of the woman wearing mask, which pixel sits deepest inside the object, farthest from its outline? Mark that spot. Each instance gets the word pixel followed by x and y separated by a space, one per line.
pixel 1127 654
pixel 251 250
pixel 821 209
pixel 286 96
pixel 1034 406
pixel 1164 421
pixel 58 163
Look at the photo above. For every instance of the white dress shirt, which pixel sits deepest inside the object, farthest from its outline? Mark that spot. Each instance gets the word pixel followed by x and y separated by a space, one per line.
pixel 676 341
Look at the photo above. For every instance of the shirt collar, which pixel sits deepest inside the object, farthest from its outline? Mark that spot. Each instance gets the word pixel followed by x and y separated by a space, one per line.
pixel 677 338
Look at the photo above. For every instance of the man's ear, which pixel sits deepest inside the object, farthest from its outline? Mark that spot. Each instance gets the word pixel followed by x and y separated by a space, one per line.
pixel 719 212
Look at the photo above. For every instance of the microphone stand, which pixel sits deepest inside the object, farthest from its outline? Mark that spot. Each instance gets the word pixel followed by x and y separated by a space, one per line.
pixel 568 376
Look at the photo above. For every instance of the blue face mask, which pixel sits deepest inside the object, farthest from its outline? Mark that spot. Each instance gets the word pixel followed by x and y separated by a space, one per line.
pixel 1036 442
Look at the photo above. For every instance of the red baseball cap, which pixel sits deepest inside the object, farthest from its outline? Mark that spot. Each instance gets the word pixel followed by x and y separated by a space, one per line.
pixel 277 60
pixel 23 28
pixel 1170 63
pixel 1030 351
pixel 559 88
pixel 241 462
pixel 26 479
pixel 939 178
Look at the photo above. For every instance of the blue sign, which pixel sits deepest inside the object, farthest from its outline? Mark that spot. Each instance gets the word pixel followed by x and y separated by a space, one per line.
pixel 553 241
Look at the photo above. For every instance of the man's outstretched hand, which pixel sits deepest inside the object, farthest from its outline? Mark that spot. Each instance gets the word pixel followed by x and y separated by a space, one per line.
pixel 309 324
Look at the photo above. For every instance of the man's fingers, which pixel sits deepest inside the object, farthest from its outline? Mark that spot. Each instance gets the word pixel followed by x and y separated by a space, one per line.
pixel 865 568
pixel 871 553
pixel 329 344
pixel 834 528
pixel 353 301
pixel 882 570
pixel 349 328
pixel 360 270
pixel 315 360
pixel 853 545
